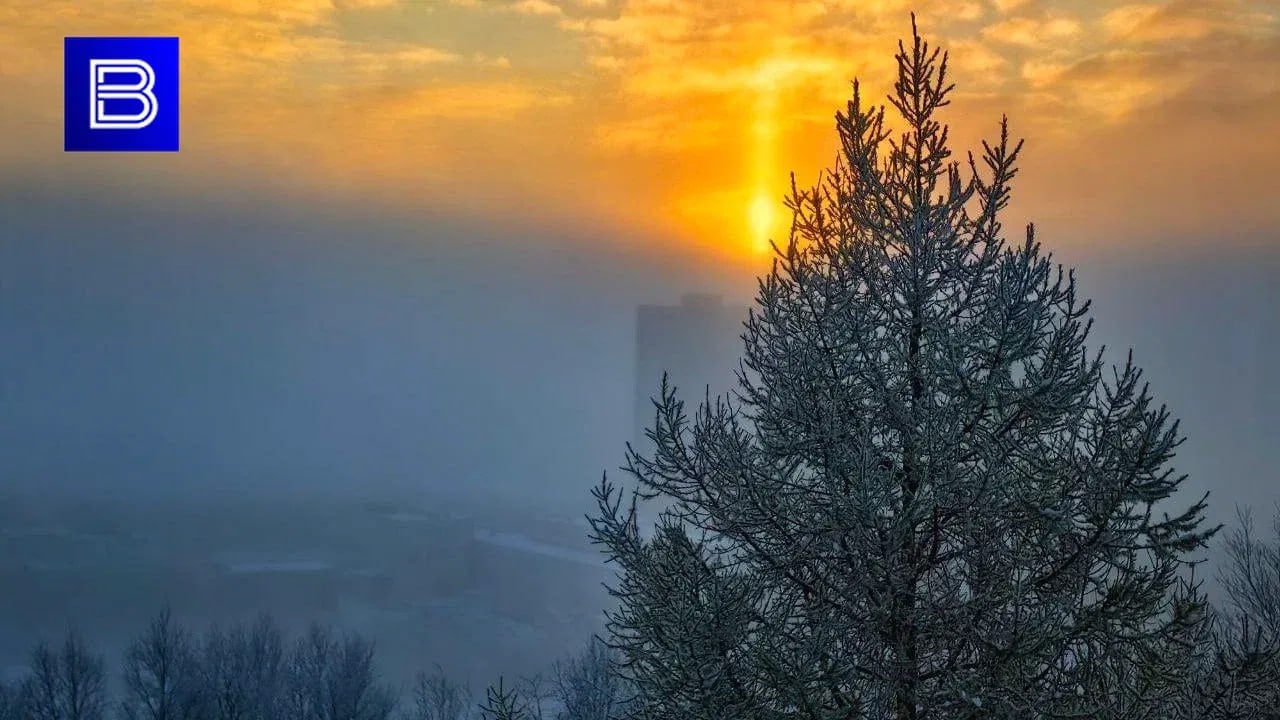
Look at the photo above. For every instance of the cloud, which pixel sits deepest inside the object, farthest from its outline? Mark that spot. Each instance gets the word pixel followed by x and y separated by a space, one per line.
pixel 537 7
pixel 523 7
pixel 983 68
pixel 1182 21
pixel 1030 33
pixel 469 101
pixel 501 61
pixel 419 55
pixel 1008 6
pixel 665 104
pixel 1207 51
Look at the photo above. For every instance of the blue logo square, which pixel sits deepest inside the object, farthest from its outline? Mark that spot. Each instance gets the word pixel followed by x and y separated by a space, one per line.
pixel 120 94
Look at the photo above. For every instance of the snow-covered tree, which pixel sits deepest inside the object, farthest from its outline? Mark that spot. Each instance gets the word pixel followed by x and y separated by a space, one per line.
pixel 1221 668
pixel 927 498
pixel 582 686
pixel 10 702
pixel 1250 577
pixel 436 697
pixel 587 686
pixel 66 683
pixel 331 678
pixel 242 671
pixel 503 702
pixel 162 679
pixel 1239 671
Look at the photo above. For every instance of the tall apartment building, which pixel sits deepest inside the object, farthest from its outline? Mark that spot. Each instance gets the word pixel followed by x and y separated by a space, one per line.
pixel 697 343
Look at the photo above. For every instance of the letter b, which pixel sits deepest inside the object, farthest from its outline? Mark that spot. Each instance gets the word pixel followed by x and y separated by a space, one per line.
pixel 100 91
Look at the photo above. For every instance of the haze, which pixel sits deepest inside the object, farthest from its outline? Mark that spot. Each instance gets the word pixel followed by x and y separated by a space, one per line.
pixel 395 269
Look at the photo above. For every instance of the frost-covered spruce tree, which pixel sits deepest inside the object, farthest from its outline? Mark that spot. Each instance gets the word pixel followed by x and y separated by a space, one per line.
pixel 927 498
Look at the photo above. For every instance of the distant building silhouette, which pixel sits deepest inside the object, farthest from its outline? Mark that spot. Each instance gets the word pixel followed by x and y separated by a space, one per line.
pixel 697 343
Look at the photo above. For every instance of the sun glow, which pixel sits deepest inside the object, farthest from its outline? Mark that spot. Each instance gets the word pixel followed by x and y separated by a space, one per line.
pixel 761 213
pixel 761 216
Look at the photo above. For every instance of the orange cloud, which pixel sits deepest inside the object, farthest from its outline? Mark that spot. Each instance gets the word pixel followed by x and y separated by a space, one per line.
pixel 1028 32
pixel 470 101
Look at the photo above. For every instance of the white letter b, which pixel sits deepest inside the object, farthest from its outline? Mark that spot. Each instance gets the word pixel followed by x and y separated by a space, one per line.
pixel 100 91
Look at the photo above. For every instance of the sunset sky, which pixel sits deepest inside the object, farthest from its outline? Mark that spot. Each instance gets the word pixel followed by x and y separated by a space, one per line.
pixel 675 120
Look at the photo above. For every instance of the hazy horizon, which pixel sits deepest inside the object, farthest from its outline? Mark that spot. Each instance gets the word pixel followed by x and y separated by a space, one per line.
pixel 178 346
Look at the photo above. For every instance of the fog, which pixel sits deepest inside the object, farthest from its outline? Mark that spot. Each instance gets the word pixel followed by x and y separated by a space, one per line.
pixel 165 350
pixel 261 387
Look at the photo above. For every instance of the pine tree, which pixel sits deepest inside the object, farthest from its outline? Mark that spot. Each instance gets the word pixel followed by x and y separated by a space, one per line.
pixel 503 703
pixel 927 498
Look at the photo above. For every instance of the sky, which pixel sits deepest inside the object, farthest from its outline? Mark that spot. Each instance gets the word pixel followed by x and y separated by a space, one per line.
pixel 404 240
pixel 674 122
